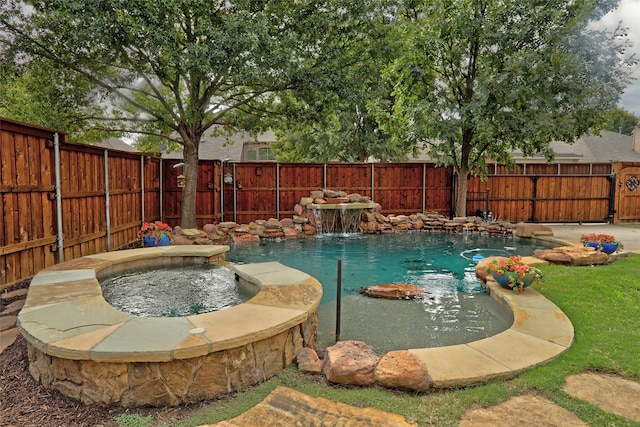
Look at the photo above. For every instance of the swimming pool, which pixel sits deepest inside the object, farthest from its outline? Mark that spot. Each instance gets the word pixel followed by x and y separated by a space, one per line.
pixel 457 310
pixel 439 262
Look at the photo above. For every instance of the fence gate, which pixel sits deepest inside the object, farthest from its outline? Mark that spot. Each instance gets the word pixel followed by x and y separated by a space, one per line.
pixel 628 193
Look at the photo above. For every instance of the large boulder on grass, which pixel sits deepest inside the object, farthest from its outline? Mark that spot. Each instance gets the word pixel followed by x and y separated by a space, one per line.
pixel 350 362
pixel 402 369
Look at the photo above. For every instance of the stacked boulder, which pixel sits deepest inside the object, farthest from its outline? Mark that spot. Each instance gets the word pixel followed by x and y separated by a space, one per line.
pixel 303 223
pixel 332 197
pixel 355 363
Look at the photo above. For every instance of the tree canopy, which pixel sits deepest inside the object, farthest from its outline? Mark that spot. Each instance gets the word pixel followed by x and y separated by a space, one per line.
pixel 465 80
pixel 30 92
pixel 176 68
pixel 621 121
pixel 477 79
pixel 332 118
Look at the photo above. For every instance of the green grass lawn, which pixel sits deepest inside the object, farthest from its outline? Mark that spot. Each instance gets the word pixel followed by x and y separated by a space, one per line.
pixel 603 304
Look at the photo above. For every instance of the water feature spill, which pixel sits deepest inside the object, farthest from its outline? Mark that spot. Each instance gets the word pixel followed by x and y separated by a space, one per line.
pixel 174 291
pixel 339 218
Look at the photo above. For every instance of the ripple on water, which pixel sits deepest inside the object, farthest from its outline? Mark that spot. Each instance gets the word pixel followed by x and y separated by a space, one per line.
pixel 174 291
pixel 385 325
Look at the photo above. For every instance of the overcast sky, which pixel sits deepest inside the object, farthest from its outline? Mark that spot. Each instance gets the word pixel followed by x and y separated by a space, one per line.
pixel 628 13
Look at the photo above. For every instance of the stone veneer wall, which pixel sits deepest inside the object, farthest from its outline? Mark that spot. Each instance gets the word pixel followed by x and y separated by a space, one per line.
pixel 175 382
pixel 196 369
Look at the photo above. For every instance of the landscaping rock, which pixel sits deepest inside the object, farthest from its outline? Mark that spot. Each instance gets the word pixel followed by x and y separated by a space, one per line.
pixel 402 369
pixel 529 230
pixel 209 229
pixel 244 238
pixel 7 322
pixel 521 411
pixel 179 239
pixel 329 194
pixel 288 407
pixel 394 291
pixel 611 393
pixel 308 361
pixel 483 265
pixel 573 255
pixel 350 362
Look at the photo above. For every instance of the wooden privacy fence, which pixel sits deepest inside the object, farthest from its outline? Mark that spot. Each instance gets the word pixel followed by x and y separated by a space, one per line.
pixel 244 192
pixel 60 201
pixel 572 192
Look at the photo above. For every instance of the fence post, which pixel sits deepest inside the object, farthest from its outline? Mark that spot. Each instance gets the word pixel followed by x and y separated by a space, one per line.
pixel 107 206
pixel 60 238
pixel 235 195
pixel 424 187
pixel 373 174
pixel 160 190
pixel 534 197
pixel 142 187
pixel 612 197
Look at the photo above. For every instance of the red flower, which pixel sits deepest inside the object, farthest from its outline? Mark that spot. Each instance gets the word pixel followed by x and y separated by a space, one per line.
pixel 157 230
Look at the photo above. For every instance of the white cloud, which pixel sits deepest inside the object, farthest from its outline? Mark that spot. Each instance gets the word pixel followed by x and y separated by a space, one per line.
pixel 628 14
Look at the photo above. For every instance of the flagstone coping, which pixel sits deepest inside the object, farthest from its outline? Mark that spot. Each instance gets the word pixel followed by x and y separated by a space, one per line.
pixel 539 333
pixel 66 316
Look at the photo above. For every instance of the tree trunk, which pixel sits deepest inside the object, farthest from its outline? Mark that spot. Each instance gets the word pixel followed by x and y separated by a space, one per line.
pixel 190 171
pixel 461 191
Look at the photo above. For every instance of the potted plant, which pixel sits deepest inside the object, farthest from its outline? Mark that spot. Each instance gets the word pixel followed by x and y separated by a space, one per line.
pixel 514 273
pixel 155 233
pixel 606 243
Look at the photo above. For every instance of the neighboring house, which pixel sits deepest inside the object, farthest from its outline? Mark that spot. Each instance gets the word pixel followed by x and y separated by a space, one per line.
pixel 239 147
pixel 116 144
pixel 605 148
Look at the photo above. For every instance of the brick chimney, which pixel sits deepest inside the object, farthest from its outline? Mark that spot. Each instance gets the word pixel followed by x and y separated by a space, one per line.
pixel 636 140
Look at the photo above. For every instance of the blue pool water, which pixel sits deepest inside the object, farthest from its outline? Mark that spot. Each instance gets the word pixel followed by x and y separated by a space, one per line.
pixel 442 262
pixel 456 311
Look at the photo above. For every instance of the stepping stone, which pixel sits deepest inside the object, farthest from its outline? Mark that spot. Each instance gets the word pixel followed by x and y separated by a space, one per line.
pixel 287 407
pixel 18 293
pixel 7 322
pixel 7 338
pixel 522 411
pixel 12 308
pixel 612 394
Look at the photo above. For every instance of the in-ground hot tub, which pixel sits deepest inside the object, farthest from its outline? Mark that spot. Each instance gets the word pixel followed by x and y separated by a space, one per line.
pixel 88 350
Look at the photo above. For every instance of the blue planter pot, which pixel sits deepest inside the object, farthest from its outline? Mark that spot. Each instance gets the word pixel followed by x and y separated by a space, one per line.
pixel 504 279
pixel 151 241
pixel 607 248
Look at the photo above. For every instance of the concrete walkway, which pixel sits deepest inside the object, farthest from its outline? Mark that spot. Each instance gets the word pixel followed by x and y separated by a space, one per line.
pixel 629 235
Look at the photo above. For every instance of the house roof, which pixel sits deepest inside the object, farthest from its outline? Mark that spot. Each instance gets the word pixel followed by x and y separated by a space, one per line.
pixel 603 148
pixel 223 147
pixel 116 144
pixel 612 146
